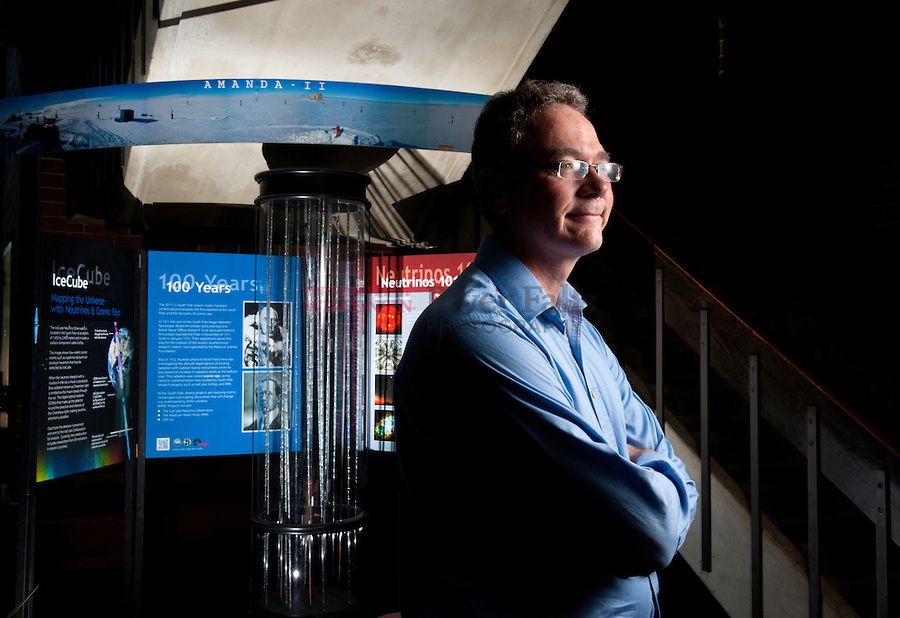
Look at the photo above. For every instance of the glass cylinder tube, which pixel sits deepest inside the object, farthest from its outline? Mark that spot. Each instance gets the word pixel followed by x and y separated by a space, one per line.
pixel 307 521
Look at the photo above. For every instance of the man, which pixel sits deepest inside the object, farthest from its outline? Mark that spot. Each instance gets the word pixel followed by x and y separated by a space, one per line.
pixel 268 398
pixel 265 339
pixel 534 482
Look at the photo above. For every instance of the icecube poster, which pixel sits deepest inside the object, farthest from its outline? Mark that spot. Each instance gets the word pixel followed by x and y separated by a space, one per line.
pixel 85 336
pixel 207 354
pixel 399 289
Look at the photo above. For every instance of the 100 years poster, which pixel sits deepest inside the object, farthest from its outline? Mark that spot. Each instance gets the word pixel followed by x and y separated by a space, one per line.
pixel 205 360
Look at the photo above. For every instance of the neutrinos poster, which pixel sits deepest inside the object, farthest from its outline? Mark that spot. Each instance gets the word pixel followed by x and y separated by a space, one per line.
pixel 399 288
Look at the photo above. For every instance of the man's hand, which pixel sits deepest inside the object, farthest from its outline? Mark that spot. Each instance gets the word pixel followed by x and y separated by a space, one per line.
pixel 634 452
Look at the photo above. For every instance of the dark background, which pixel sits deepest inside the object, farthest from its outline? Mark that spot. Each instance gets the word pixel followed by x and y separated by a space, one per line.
pixel 760 151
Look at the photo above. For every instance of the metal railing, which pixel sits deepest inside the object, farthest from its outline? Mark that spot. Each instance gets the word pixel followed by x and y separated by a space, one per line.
pixel 836 443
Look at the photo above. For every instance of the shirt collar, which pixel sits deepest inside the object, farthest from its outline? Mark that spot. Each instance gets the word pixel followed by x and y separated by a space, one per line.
pixel 520 287
pixel 570 301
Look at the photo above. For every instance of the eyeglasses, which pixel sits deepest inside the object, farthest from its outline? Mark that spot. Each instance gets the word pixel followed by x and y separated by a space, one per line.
pixel 572 169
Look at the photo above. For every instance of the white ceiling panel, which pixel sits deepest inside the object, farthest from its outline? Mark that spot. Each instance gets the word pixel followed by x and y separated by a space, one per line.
pixel 478 46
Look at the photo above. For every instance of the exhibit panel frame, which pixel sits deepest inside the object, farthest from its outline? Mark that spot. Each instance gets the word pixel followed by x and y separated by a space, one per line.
pixel 85 324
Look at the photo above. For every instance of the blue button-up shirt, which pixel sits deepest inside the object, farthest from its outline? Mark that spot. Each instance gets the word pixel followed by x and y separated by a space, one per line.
pixel 517 493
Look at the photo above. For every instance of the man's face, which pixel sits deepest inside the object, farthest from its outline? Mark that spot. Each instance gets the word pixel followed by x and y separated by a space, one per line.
pixel 268 318
pixel 273 402
pixel 551 217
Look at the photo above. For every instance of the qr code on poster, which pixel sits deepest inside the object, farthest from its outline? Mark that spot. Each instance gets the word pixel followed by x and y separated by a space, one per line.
pixel 162 444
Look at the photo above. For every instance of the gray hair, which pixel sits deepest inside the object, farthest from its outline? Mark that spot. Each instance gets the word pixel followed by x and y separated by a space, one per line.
pixel 508 115
pixel 506 118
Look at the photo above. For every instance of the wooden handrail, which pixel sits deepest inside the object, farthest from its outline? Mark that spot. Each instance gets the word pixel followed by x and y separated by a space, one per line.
pixel 852 452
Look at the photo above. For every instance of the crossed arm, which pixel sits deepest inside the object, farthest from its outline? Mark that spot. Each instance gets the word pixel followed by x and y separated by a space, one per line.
pixel 641 493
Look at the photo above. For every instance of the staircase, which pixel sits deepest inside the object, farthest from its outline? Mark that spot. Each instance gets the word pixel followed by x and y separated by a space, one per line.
pixel 619 283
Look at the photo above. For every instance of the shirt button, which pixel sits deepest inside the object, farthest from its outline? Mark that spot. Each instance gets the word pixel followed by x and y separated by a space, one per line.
pixel 593 393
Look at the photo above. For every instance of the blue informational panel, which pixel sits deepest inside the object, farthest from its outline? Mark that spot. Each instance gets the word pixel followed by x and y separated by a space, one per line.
pixel 288 111
pixel 203 357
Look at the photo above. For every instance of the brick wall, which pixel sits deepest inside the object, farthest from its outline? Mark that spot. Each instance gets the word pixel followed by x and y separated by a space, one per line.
pixel 54 218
